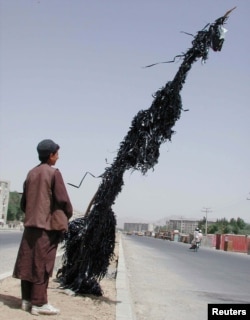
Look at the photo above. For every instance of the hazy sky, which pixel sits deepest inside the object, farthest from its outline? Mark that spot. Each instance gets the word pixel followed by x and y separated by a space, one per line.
pixel 72 71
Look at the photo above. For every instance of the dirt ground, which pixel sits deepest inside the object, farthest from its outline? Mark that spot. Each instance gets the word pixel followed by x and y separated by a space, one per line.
pixel 71 307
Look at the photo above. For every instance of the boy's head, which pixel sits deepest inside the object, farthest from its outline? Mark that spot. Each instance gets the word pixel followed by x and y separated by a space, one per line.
pixel 45 148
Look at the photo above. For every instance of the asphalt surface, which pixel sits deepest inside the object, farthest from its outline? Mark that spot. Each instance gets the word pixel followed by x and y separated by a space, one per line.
pixel 9 244
pixel 150 286
pixel 169 281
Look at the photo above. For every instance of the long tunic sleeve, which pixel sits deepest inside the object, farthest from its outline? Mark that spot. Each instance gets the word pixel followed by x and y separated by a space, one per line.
pixel 60 195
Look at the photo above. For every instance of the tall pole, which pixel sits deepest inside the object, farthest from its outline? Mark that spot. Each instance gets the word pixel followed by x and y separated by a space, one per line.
pixel 206 210
pixel 91 238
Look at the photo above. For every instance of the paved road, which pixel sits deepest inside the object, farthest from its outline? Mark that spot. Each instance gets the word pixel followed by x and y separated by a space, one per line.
pixel 165 279
pixel 168 281
pixel 9 244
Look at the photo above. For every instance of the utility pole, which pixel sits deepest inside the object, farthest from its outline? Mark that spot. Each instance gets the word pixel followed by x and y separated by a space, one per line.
pixel 206 210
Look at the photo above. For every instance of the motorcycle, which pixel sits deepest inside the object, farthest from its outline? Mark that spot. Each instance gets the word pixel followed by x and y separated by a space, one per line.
pixel 195 246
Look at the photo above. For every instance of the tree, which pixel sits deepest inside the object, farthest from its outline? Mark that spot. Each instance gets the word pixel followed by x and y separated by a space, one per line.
pixel 246 229
pixel 235 229
pixel 14 211
pixel 202 224
pixel 213 228
pixel 240 223
pixel 235 226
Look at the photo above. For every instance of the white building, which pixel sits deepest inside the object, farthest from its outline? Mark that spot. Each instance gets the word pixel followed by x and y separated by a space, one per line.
pixel 137 227
pixel 4 200
pixel 185 226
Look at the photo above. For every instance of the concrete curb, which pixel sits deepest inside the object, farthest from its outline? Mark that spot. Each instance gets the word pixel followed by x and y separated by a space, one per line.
pixel 124 310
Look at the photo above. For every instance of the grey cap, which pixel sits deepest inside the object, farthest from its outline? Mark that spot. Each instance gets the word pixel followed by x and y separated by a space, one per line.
pixel 46 147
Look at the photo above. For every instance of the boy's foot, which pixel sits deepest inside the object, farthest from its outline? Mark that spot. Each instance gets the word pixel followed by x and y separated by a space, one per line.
pixel 26 305
pixel 45 309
